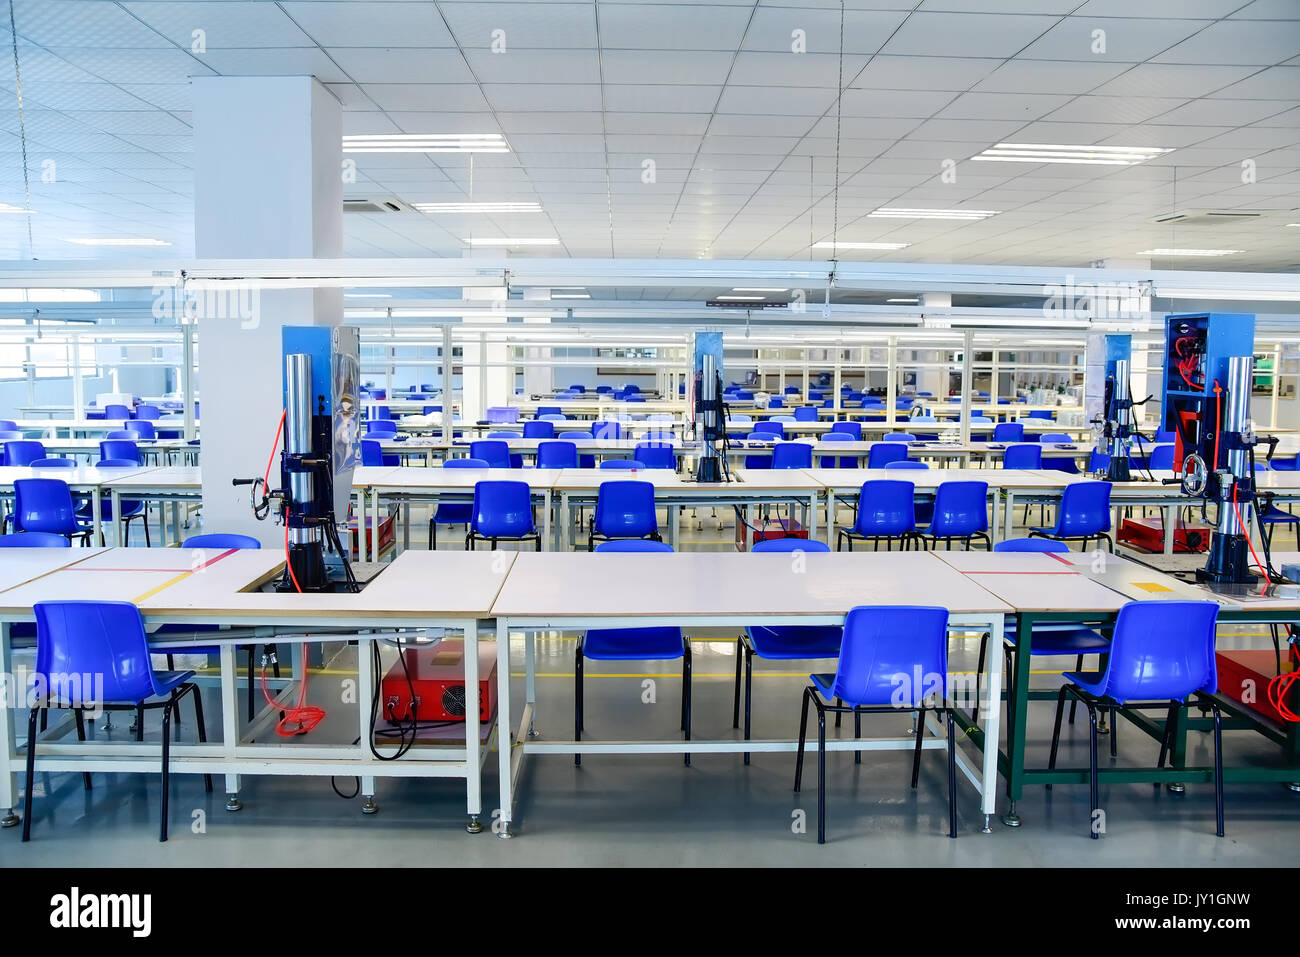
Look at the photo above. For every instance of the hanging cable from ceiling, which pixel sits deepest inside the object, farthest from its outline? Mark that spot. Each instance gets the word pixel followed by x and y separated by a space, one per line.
pixel 22 133
pixel 839 110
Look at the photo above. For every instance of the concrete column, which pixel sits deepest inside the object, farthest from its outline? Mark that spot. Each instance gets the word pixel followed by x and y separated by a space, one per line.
pixel 538 379
pixel 267 184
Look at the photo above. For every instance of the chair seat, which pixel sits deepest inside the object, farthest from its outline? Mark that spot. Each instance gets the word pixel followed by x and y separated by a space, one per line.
pixel 796 641
pixel 633 644
pixel 168 681
pixel 1055 534
pixel 1277 515
pixel 454 513
pixel 1062 640
pixel 129 510
pixel 824 685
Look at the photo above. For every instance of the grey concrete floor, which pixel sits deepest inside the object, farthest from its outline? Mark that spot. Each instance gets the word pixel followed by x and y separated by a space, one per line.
pixel 653 811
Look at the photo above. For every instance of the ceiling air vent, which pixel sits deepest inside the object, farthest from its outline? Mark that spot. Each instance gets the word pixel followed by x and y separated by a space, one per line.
pixel 1209 217
pixel 376 204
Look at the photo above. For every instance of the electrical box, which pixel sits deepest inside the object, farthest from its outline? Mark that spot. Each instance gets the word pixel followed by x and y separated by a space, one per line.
pixel 1197 349
pixel 437 675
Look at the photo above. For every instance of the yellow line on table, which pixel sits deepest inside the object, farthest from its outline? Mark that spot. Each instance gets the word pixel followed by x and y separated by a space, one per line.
pixel 165 585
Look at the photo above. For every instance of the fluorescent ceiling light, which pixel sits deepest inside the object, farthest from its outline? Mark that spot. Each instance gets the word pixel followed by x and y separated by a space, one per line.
pixel 1245 295
pixel 501 207
pixel 1188 252
pixel 1293 224
pixel 426 143
pixel 741 298
pixel 48 295
pixel 1056 153
pixel 757 289
pixel 367 295
pixel 911 301
pixel 119 241
pixel 570 295
pixel 898 212
pixel 827 244
pixel 10 208
pixel 508 241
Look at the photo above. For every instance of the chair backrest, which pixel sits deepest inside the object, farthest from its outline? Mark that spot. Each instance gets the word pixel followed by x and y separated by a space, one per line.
pixel 116 464
pixel 122 434
pixel 502 414
pixel 784 418
pixel 1039 414
pixel 886 507
pixel 1026 455
pixel 557 454
pixel 1009 432
pixel 893 654
pixel 899 437
pixel 606 430
pixel 23 451
pixel 634 545
pixel 602 389
pixel 851 428
pixel 1161 458
pixel 493 451
pixel 574 434
pixel 1098 461
pixel 116 411
pixel 634 397
pixel 790 545
pixel 502 509
pixel 1054 437
pixel 148 412
pixel 539 429
pixel 1085 509
pixel 34 540
pixel 578 387
pixel 655 455
pixel 44 505
pixel 1165 435
pixel 553 417
pixel 119 449
pixel 55 463
pixel 372 453
pixel 549 410
pixel 906 464
pixel 960 509
pixel 792 455
pixel 466 463
pixel 805 413
pixel 142 428
pixel 221 540
pixel 1162 651
pixel 626 465
pixel 885 453
pixel 8 424
pixel 1030 545
pixel 506 434
pixel 626 509
pixel 772 426
pixel 100 638
pixel 9 435
pixel 980 420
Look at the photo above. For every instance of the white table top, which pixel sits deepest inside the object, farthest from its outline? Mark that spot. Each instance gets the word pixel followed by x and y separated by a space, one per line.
pixel 165 478
pixel 82 476
pixel 842 480
pixel 438 478
pixel 697 585
pixel 21 565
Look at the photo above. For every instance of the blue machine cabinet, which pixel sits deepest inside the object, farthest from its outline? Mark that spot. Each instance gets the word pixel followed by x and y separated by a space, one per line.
pixel 1197 349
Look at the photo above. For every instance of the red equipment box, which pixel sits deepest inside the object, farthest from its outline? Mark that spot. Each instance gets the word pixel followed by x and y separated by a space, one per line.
pixel 1148 534
pixel 386 536
pixel 772 528
pixel 437 674
pixel 1244 677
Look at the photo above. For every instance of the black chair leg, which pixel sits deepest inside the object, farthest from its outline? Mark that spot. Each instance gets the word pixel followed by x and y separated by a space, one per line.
pixel 857 735
pixel 1167 739
pixel 1218 769
pixel 1093 820
pixel 686 695
pixel 735 692
pixel 1114 733
pixel 749 691
pixel 31 772
pixel 916 751
pixel 166 765
pixel 1074 702
pixel 803 735
pixel 202 729
pixel 139 722
pixel 577 702
pixel 81 736
pixel 839 715
pixel 1056 728
pixel 952 776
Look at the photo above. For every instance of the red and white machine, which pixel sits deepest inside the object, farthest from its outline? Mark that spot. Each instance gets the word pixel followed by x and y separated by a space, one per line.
pixel 437 674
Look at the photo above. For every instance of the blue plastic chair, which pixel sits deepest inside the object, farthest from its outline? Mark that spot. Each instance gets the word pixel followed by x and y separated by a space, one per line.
pixel 10 435
pixel 549 410
pixel 1040 414
pixel 886 453
pixel 886 510
pixel 883 648
pixel 539 429
pixel 606 430
pixel 8 425
pixel 1273 516
pixel 34 540
pixel 1161 458
pixel 815 396
pixel 899 437
pixel 23 451
pixel 142 428
pixel 454 509
pixel 805 413
pixel 372 454
pixel 119 449
pixel 771 426
pixel 116 411
pixel 495 452
pixel 843 461
pixel 626 465
pixel 221 540
pixel 1064 464
pixel 103 638
pixel 1009 432
pixel 122 434
pixel 632 644
pixel 45 505
pixel 131 508
pixel 150 412
pixel 849 428
pixel 784 642
pixel 763 460
pixel 906 464
pixel 624 509
pixel 791 455
pixel 960 512
pixel 381 427
pixel 1084 514
pixel 655 455
pixel 557 454
pixel 55 463
pixel 1027 455
pixel 502 510
pixel 1160 651
pixel 382 413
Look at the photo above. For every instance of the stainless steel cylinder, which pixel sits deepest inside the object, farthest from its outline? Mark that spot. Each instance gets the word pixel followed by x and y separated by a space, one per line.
pixel 297 434
pixel 1236 417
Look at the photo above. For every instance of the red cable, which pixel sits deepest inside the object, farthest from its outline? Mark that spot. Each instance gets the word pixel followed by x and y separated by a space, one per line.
pixel 274 445
pixel 1278 689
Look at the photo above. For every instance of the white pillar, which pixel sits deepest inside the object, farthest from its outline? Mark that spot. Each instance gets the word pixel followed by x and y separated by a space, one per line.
pixel 539 378
pixel 486 380
pixel 267 184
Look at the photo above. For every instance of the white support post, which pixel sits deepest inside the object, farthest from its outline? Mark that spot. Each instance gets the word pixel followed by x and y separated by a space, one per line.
pixel 891 373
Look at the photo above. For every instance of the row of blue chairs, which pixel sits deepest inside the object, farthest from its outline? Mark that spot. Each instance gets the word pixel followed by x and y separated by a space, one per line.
pixel 47 505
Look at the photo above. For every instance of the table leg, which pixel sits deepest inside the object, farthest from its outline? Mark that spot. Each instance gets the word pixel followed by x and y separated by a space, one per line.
pixel 8 752
pixel 1171 518
pixel 229 720
pixel 992 709
pixel 546 518
pixel 406 524
pixel 812 515
pixel 1017 717
pixel 176 523
pixel 473 779
pixel 995 523
pixel 374 522
pixel 1009 514
pixel 360 513
pixel 830 517
pixel 505 738
pixel 97 515
pixel 115 500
